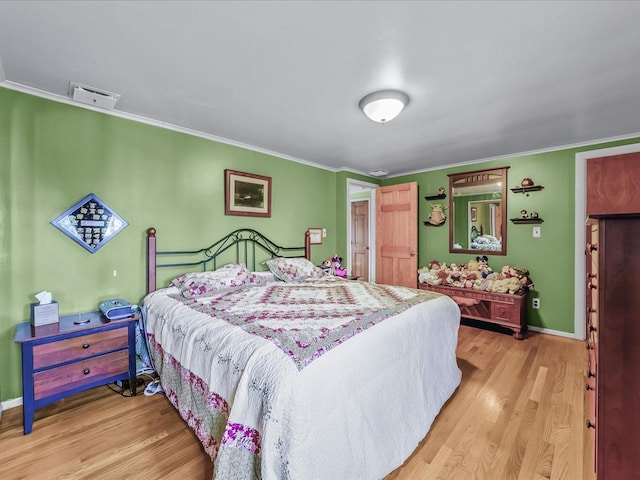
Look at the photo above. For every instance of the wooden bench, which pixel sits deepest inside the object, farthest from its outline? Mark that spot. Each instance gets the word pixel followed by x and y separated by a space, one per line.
pixel 503 309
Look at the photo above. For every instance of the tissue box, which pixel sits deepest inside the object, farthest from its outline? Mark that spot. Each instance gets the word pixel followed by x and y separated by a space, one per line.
pixel 44 314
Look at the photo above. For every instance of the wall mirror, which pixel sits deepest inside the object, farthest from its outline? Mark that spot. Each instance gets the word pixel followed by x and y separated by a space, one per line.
pixel 478 212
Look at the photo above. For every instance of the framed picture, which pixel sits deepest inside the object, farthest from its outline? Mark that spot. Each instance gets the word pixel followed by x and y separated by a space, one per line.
pixel 474 214
pixel 247 194
pixel 315 235
pixel 90 223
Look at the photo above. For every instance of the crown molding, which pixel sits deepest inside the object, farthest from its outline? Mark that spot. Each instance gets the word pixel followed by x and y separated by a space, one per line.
pixel 156 123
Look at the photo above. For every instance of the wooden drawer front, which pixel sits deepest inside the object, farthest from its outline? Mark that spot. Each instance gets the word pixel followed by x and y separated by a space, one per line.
pixel 74 375
pixel 507 312
pixel 79 347
pixel 613 184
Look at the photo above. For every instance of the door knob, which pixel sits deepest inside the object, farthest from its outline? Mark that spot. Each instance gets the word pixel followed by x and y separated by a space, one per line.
pixel 412 253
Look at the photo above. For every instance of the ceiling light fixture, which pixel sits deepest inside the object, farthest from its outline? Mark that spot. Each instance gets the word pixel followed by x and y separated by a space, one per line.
pixel 378 173
pixel 384 105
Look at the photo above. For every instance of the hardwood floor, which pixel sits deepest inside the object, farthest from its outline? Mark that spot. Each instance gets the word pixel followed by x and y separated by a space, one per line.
pixel 518 414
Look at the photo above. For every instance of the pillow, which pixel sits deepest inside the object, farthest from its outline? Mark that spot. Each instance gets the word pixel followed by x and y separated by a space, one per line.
pixel 201 283
pixel 260 278
pixel 294 269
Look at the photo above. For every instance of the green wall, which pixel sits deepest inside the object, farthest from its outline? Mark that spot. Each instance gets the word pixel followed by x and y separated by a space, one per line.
pixel 550 258
pixel 53 154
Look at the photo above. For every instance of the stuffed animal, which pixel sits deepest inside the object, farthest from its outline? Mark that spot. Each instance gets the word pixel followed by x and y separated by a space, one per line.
pixel 437 216
pixel 326 266
pixel 483 266
pixel 512 280
pixel 505 285
pixel 454 276
pixel 336 267
pixel 429 275
pixel 473 265
pixel 522 274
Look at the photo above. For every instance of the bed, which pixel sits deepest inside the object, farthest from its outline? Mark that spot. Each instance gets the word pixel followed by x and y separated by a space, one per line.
pixel 486 242
pixel 290 373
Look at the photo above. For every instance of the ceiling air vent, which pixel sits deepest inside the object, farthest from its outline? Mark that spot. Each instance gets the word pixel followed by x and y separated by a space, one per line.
pixel 92 96
pixel 378 173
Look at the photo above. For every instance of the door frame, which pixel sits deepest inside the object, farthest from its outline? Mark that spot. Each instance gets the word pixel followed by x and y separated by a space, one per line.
pixel 354 186
pixel 579 304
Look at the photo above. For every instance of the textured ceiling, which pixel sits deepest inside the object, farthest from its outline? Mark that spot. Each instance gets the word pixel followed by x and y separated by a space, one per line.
pixel 485 79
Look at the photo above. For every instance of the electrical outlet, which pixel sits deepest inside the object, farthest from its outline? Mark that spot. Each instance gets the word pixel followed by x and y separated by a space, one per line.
pixel 535 303
pixel 536 232
pixel 324 233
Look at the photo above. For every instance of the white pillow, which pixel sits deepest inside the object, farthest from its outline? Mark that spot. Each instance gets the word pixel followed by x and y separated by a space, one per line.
pixel 294 269
pixel 202 283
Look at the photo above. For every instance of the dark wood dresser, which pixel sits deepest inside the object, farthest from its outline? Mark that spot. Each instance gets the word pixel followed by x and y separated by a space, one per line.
pixel 613 315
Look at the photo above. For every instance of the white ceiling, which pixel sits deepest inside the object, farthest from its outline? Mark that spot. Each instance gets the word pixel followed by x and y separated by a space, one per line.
pixel 486 79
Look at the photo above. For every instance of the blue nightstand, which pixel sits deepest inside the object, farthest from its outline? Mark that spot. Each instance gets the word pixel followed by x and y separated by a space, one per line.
pixel 80 352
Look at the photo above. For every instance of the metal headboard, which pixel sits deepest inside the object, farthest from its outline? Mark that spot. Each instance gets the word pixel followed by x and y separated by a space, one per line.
pixel 245 241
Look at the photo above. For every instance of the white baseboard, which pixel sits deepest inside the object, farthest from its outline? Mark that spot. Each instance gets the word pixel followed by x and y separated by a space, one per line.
pixel 11 403
pixel 549 331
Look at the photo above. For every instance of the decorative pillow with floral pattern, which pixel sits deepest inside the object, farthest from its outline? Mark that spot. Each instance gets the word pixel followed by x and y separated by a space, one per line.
pixel 294 269
pixel 202 283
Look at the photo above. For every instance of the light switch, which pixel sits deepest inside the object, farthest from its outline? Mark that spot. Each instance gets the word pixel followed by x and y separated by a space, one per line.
pixel 324 233
pixel 536 231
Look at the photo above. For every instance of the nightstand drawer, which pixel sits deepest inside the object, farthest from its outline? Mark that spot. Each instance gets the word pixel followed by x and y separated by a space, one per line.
pixel 68 357
pixel 79 347
pixel 74 375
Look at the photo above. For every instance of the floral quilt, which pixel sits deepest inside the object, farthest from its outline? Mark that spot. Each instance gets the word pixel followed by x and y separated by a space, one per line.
pixel 306 319
pixel 230 360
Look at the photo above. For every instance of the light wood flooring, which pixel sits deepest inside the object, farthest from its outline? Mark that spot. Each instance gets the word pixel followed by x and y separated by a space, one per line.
pixel 518 414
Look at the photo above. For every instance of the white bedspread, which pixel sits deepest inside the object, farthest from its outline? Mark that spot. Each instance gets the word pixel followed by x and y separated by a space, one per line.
pixel 356 412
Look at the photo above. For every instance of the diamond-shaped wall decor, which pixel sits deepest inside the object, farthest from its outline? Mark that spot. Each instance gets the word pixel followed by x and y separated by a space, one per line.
pixel 90 222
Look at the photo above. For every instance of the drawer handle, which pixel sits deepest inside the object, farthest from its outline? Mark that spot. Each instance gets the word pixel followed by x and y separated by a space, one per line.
pixel 85 345
pixel 588 387
pixel 592 328
pixel 589 347
pixel 590 425
pixel 592 246
pixel 86 371
pixel 590 374
pixel 592 286
pixel 591 310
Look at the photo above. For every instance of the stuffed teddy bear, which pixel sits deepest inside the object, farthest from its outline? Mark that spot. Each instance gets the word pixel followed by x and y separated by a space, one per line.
pixel 429 275
pixel 505 285
pixel 473 265
pixel 522 274
pixel 454 276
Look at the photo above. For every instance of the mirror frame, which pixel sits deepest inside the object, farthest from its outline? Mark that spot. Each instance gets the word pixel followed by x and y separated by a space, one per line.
pixel 469 179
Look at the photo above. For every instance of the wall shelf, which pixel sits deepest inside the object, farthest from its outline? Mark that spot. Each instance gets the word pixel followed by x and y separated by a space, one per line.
pixel 436 197
pixel 518 221
pixel 532 188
